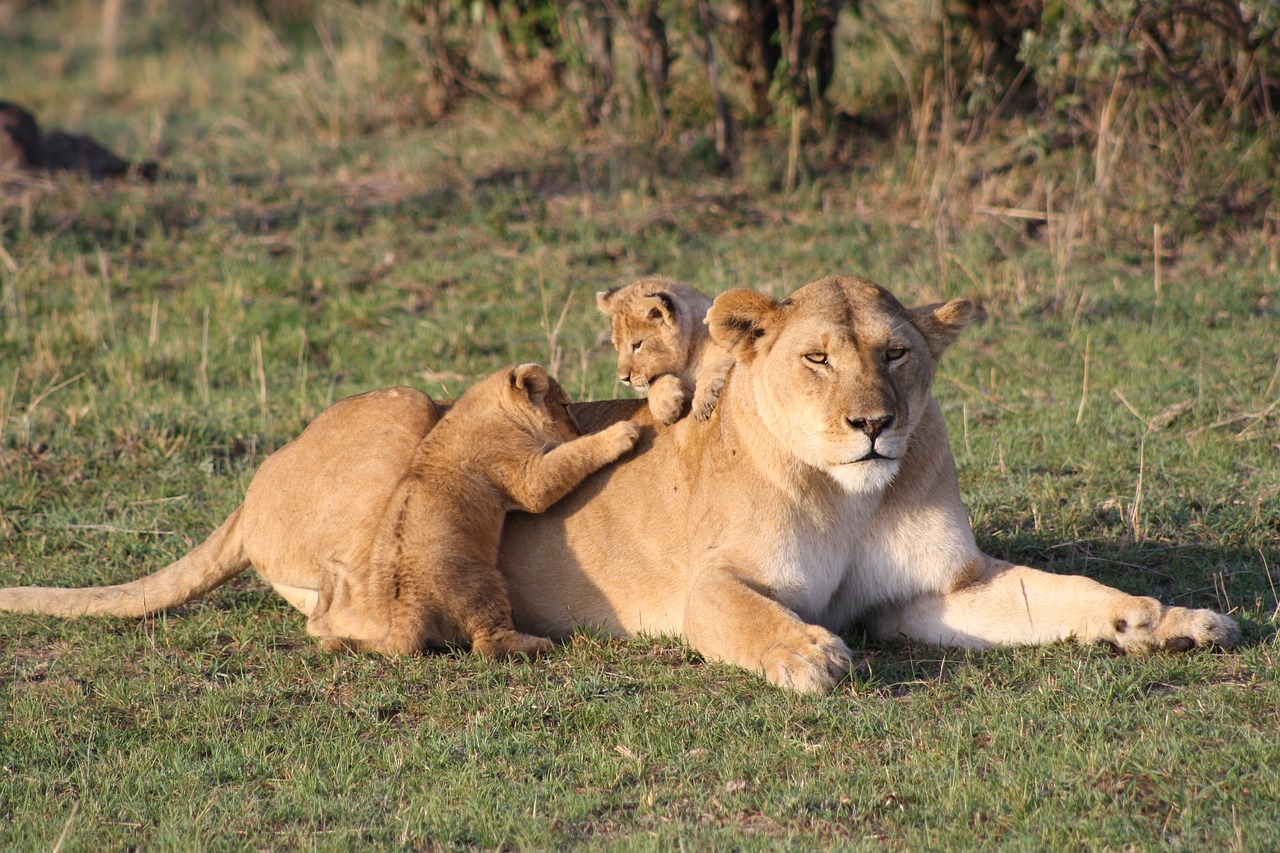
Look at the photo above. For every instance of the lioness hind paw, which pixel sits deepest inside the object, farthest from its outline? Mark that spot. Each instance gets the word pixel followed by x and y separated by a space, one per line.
pixel 1150 626
pixel 1183 629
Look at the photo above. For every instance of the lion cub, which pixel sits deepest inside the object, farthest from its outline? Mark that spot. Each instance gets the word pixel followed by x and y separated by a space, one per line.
pixel 510 442
pixel 663 344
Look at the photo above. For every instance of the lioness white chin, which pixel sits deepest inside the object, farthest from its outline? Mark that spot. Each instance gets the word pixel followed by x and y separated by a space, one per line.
pixel 820 491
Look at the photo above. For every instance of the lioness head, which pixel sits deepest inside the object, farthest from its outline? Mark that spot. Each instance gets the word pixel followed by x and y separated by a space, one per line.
pixel 653 322
pixel 537 404
pixel 841 371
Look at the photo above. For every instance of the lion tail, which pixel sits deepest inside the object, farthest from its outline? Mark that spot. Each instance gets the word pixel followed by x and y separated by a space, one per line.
pixel 214 562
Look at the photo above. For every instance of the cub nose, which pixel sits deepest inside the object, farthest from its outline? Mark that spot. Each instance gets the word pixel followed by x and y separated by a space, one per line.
pixel 872 427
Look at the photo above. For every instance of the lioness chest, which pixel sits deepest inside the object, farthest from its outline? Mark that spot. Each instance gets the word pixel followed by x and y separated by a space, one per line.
pixel 829 569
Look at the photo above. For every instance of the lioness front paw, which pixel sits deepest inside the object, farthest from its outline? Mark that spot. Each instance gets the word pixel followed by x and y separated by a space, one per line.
pixel 667 398
pixel 814 664
pixel 1148 626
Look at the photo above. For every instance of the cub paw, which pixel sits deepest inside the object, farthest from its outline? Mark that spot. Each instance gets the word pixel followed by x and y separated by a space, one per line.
pixel 705 403
pixel 508 644
pixel 814 663
pixel 666 399
pixel 620 438
pixel 336 644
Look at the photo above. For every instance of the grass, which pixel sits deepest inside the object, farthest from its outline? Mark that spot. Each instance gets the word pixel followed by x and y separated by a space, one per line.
pixel 157 341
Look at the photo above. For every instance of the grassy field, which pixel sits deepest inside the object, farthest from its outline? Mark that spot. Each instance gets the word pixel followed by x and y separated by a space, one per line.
pixel 1113 414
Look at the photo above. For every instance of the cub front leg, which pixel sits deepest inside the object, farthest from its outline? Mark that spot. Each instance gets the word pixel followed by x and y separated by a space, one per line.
pixel 710 383
pixel 726 619
pixel 549 477
pixel 1008 604
pixel 667 396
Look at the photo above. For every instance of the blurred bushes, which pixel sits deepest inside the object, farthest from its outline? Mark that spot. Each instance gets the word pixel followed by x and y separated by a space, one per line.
pixel 1093 74
pixel 617 55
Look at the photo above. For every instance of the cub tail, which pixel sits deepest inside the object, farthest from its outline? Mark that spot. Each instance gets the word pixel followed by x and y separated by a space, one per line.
pixel 214 562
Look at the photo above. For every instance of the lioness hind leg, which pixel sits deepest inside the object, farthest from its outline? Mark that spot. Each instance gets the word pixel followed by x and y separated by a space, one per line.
pixel 1010 604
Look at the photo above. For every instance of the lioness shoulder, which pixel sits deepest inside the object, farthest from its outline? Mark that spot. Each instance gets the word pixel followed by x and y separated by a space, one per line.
pixel 510 442
pixel 658 328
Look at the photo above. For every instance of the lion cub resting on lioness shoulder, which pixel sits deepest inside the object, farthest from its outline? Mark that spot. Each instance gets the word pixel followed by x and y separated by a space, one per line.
pixel 659 329
pixel 510 442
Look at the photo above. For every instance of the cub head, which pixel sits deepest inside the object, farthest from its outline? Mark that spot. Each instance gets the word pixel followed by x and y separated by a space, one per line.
pixel 537 404
pixel 654 324
pixel 840 371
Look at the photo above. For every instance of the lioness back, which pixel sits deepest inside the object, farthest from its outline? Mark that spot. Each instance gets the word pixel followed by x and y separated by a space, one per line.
pixel 657 326
pixel 432 580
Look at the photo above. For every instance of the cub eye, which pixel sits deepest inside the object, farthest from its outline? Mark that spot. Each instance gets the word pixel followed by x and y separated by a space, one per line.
pixel 894 353
pixel 816 357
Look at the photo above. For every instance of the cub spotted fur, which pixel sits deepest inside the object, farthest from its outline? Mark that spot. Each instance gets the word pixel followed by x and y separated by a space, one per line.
pixel 664 346
pixel 510 442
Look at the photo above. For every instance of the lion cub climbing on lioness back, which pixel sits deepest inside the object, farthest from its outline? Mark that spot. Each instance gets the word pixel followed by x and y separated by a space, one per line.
pixel 510 442
pixel 664 346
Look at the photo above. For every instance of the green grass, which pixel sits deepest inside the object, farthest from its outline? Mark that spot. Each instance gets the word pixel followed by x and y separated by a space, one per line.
pixel 156 342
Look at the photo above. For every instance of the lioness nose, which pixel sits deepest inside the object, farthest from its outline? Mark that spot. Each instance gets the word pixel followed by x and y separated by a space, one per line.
pixel 871 426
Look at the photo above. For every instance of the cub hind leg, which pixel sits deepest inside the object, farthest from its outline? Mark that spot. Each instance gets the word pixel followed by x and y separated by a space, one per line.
pixel 461 603
pixel 481 609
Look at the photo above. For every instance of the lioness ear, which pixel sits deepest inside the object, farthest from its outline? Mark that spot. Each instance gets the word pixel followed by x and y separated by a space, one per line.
pixel 739 319
pixel 940 324
pixel 603 298
pixel 663 308
pixel 532 380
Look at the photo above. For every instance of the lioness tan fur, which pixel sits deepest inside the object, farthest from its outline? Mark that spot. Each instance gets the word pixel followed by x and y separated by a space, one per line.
pixel 658 328
pixel 820 491
pixel 510 442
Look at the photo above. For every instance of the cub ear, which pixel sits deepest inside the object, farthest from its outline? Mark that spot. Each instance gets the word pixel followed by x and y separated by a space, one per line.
pixel 740 319
pixel 941 323
pixel 531 380
pixel 604 298
pixel 662 308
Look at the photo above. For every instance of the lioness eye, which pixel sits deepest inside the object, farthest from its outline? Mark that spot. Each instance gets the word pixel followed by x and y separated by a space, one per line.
pixel 816 357
pixel 635 347
pixel 894 353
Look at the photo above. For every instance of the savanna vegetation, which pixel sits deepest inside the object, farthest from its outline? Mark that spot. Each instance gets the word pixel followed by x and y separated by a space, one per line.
pixel 356 195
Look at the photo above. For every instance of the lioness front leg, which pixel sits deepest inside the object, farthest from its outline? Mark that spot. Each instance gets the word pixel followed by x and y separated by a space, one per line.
pixel 1009 604
pixel 727 620
pixel 551 476
pixel 667 396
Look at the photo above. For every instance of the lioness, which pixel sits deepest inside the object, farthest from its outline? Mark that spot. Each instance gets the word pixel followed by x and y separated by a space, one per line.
pixel 431 578
pixel 820 491
pixel 658 327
